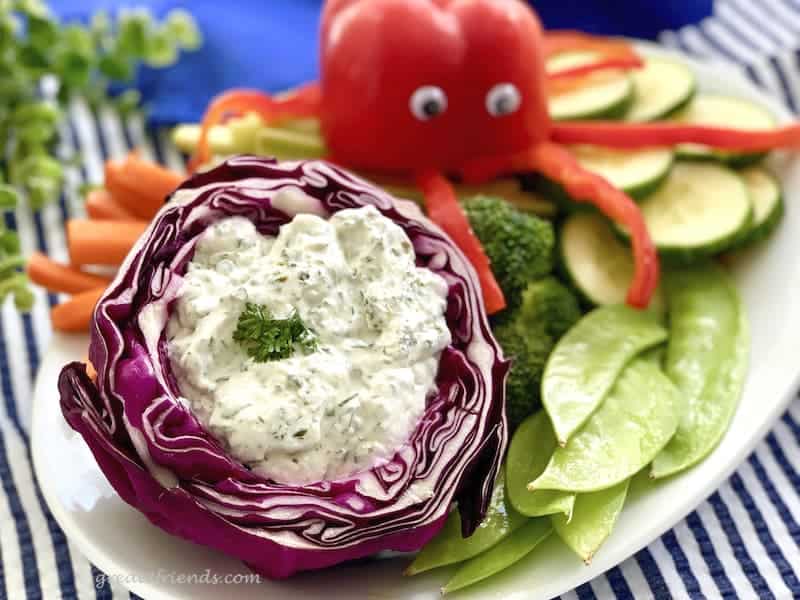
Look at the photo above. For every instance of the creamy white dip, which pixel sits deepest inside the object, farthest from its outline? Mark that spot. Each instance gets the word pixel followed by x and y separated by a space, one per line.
pixel 380 325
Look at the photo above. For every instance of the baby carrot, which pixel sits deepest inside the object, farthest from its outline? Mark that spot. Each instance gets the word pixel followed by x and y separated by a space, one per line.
pixel 140 186
pixel 101 205
pixel 56 277
pixel 101 242
pixel 74 315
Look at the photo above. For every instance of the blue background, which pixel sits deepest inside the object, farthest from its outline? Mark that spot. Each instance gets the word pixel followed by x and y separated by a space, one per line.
pixel 272 44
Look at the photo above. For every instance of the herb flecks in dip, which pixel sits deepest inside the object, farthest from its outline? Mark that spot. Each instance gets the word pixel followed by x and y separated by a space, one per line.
pixel 378 321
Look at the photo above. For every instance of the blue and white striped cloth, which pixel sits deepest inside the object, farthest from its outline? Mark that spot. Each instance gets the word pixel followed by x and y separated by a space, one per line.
pixel 744 542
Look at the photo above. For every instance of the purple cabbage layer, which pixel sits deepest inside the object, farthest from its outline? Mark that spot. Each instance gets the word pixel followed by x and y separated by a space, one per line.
pixel 160 458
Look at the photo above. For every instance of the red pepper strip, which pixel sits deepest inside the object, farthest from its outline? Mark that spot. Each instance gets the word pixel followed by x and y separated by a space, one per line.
pixel 303 102
pixel 612 54
pixel 556 42
pixel 634 135
pixel 565 85
pixel 444 209
pixel 556 163
pixel 607 64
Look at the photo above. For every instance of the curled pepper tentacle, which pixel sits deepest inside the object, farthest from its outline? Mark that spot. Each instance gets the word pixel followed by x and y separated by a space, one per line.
pixel 555 162
pixel 639 135
pixel 302 102
pixel 444 209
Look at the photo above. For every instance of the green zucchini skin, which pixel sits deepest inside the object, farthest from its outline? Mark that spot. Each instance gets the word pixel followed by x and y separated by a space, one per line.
pixel 768 210
pixel 704 180
pixel 596 102
pixel 668 99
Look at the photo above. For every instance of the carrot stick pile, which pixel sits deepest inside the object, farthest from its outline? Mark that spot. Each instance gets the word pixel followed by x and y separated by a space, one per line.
pixel 118 215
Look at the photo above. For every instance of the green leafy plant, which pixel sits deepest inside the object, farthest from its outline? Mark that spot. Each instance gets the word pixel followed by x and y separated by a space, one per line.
pixel 13 283
pixel 266 339
pixel 43 64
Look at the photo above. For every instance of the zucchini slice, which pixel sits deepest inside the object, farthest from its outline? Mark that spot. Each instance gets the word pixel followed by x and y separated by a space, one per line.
pixel 663 87
pixel 599 266
pixel 606 95
pixel 636 172
pixel 768 205
pixel 723 111
pixel 702 209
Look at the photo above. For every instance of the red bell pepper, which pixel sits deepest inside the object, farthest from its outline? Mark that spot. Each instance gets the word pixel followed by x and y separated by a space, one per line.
pixel 444 209
pixel 634 135
pixel 383 60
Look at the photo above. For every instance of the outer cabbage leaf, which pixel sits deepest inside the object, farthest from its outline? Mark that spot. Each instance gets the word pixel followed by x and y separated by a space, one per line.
pixel 162 461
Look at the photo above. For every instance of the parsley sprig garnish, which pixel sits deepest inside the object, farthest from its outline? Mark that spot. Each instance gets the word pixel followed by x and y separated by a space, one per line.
pixel 265 338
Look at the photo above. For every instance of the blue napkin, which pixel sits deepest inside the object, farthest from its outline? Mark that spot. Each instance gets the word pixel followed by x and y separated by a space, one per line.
pixel 272 44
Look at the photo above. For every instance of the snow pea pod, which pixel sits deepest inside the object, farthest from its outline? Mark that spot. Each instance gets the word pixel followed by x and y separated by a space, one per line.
pixel 635 421
pixel 707 358
pixel 593 521
pixel 511 550
pixel 449 547
pixel 586 362
pixel 528 454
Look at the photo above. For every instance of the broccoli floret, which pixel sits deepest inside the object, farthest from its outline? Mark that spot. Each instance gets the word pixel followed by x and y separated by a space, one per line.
pixel 549 304
pixel 528 352
pixel 528 336
pixel 520 246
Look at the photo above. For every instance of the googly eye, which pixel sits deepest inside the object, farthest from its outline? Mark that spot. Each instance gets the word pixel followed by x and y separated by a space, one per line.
pixel 503 99
pixel 428 102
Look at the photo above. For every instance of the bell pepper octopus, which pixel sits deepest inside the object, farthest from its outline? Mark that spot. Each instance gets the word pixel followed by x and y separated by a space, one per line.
pixel 434 88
